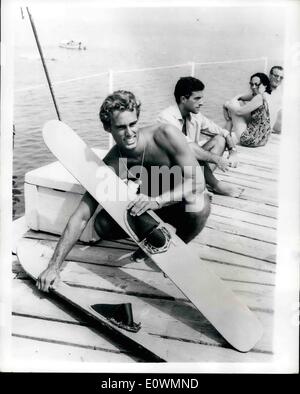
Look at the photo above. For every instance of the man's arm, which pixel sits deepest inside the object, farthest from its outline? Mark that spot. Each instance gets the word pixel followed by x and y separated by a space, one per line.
pixel 201 154
pixel 173 142
pixel 71 234
pixel 211 128
pixel 209 157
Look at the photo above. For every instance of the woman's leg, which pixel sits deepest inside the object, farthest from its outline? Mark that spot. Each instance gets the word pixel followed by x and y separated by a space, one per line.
pixel 238 123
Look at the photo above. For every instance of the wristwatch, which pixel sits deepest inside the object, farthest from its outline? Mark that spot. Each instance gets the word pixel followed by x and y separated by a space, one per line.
pixel 159 201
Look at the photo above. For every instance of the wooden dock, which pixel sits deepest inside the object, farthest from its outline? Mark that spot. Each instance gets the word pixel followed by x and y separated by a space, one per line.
pixel 239 244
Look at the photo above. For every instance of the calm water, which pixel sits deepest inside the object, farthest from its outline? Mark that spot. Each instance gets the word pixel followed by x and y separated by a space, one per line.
pixel 124 40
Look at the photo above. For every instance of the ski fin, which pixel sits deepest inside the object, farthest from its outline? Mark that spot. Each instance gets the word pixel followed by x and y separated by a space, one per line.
pixel 119 314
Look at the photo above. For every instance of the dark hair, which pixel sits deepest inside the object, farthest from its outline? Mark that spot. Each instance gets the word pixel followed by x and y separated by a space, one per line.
pixel 264 80
pixel 276 67
pixel 120 100
pixel 185 86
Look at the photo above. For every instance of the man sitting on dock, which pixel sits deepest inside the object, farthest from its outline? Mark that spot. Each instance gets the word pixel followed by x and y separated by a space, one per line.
pixel 207 140
pixel 276 76
pixel 148 154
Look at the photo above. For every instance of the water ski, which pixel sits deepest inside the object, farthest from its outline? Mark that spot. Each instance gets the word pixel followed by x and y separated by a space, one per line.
pixel 234 321
pixel 113 310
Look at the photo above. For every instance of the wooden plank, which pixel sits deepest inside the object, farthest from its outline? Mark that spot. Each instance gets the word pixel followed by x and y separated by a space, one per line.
pixel 124 244
pixel 263 195
pixel 268 151
pixel 253 183
pixel 246 206
pixel 258 298
pixel 98 254
pixel 259 161
pixel 234 226
pixel 94 256
pixel 264 192
pixel 247 268
pixel 234 275
pixel 118 257
pixel 28 300
pixel 250 181
pixel 270 148
pixel 176 319
pixel 256 196
pixel 236 266
pixel 156 285
pixel 238 244
pixel 227 257
pixel 247 156
pixel 175 330
pixel 243 216
pixel 169 319
pixel 42 353
pixel 65 334
pixel 255 288
pixel 261 164
pixel 252 172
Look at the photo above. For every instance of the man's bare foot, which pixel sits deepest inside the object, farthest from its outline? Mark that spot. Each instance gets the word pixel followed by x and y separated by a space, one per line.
pixel 225 189
pixel 138 256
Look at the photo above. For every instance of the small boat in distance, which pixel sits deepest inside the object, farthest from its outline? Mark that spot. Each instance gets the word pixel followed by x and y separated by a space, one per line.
pixel 72 45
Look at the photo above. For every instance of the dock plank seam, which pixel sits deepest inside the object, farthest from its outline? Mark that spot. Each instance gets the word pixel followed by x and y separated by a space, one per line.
pixel 219 345
pixel 52 319
pixel 238 265
pixel 72 344
pixel 244 210
pixel 241 254
pixel 153 296
pixel 245 221
pixel 239 235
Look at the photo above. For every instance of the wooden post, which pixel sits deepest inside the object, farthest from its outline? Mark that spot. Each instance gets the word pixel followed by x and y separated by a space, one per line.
pixel 192 68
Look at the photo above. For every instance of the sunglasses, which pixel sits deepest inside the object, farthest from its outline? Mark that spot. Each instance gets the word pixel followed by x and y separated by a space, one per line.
pixel 277 76
pixel 254 84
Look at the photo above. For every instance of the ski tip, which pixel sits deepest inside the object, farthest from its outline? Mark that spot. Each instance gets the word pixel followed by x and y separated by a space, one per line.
pixel 254 334
pixel 52 125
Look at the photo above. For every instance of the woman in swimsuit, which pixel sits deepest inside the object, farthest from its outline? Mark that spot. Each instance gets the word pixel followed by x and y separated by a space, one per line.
pixel 247 115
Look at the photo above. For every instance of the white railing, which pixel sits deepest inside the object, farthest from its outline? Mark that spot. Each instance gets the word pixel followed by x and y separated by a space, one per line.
pixel 110 74
pixel 154 89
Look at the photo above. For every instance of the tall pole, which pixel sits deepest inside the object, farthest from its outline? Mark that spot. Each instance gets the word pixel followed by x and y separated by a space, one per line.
pixel 43 62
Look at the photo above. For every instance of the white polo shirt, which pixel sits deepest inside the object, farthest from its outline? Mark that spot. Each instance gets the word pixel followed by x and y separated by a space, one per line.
pixel 199 128
pixel 275 104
